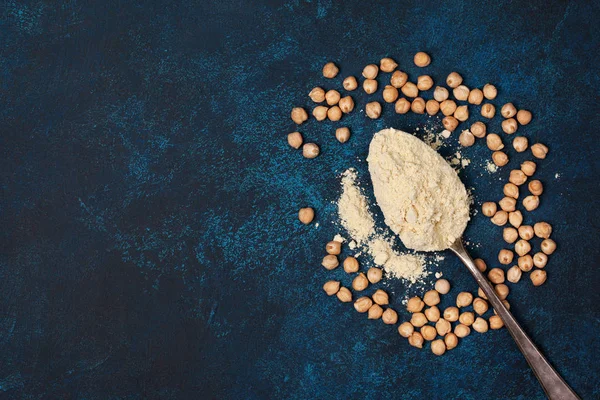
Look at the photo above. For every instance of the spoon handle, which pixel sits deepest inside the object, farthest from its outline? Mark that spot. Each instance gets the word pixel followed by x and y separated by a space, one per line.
pixel 552 383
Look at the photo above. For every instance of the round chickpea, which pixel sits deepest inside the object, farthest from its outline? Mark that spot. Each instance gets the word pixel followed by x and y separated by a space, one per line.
pixel 540 260
pixel 440 93
pixel 496 322
pixel 370 86
pixel 317 95
pixel 515 218
pixel 463 299
pixel 475 97
pixel 513 275
pixel 416 340
pixel 428 332
pixel 528 168
pixel 389 317
pixel 522 247
pixel 531 202
pixel 350 83
pixel 490 92
pixel 511 190
pixel 539 150
pixel 346 104
pixel 500 218
pixel 402 106
pixel 488 110
pixel 548 246
pixel 320 112
pixel 461 93
pixel 450 123
pixel 508 204
pixel 432 314
pixel 375 312
pixel 478 129
pixel 370 71
pixel 510 235
pixel 542 230
pixel 390 94
pixel 406 329
pixel 488 208
pixel 520 144
pixel 525 263
pixel 432 107
pixel 508 110
pixel 373 110
pixel 410 89
pixel 387 64
pixel 496 275
pixel 480 306
pixel 422 59
pixel 374 275
pixel 462 331
pixel 467 318
pixel 524 117
pixel 418 106
pixel 526 232
pixel 466 139
pixel 330 70
pixel 424 82
pixel 538 277
pixel 454 80
pixel 332 97
pixel 360 282
pixel 502 291
pixel 431 298
pixel 535 187
pixel 398 79
pixel 480 264
pixel 451 314
pixel 350 265
pixel 295 139
pixel 462 113
pixel 500 158
pixel 442 327
pixel 414 305
pixel 451 341
pixel 517 177
pixel 298 115
pixel 505 256
pixel 494 142
pixel 334 113
pixel 510 126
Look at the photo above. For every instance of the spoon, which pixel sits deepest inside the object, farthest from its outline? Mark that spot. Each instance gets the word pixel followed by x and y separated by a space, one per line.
pixel 552 383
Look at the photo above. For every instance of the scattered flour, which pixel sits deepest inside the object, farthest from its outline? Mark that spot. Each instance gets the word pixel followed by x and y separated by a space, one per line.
pixel 353 209
pixel 491 167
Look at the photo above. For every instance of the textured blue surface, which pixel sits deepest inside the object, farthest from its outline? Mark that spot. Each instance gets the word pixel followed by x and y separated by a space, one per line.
pixel 150 246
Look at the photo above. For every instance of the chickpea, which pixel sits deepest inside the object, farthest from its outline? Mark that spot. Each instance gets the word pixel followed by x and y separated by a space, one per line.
pixel 480 325
pixel 433 314
pixel 539 150
pixel 501 291
pixel 490 92
pixel 373 110
pixel 522 247
pixel 524 117
pixel 370 86
pixel 510 235
pixel 511 190
pixel 422 59
pixel 442 286
pixel 517 177
pixel 333 247
pixel 513 275
pixel 334 113
pixel 528 168
pixel 410 89
pixel 548 246
pixel 389 317
pixel 451 314
pixel 432 107
pixel 342 134
pixel 494 142
pixel 299 115
pixel 508 110
pixel 461 93
pixel 509 126
pixel 526 232
pixel 450 123
pixel 428 332
pixel 414 305
pixel 344 295
pixel 466 139
pixel 461 113
pixel 295 139
pixel 480 306
pixel 464 299
pixel 500 218
pixel 418 106
pixel 488 208
pixel 525 263
pixel 380 297
pixel 500 158
pixel 481 294
pixel 331 287
pixel 350 83
pixel 440 93
pixel 398 79
pixel 443 327
pixel 306 215
pixel 488 110
pixel 515 218
pixel 317 95
pixel 496 275
pixel 540 260
pixel 438 347
pixel 480 264
pixel 350 265
pixel 451 341
pixel 374 275
pixel 531 202
pixel 462 331
pixel 508 203
pixel 505 256
pixel 542 230
pixel 475 97
pixel 387 64
pixel 390 94
pixel 416 340
pixel 536 187
pixel 520 144
pixel 375 312
pixel 330 262
pixel 360 282
pixel 332 97
pixel 406 329
pixel 330 70
pixel 448 107
pixel 496 322
pixel 363 304
pixel 538 277
pixel 478 129
pixel 424 82
pixel 320 112
pixel 346 104
pixel 431 298
pixel 454 80
pixel 402 106
pixel 418 319
pixel 370 71
pixel 466 318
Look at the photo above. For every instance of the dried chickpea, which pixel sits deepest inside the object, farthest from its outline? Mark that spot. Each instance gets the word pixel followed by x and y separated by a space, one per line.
pixel 488 208
pixel 548 246
pixel 306 215
pixel 331 287
pixel 490 92
pixel 513 274
pixel 522 247
pixel 502 291
pixel 520 144
pixel 414 305
pixel 330 262
pixel 317 95
pixel 398 79
pixel 478 129
pixel 416 340
pixel 517 177
pixel 320 112
pixel 418 319
pixel 539 150
pixel 295 139
pixel 402 106
pixel 332 97
pixel 432 107
pixel 500 158
pixel 511 190
pixel 524 117
pixel 496 322
pixel 525 263
pixel 505 256
pixel 375 312
pixel 538 277
pixel 508 110
pixel 424 82
pixel 410 89
pixel 500 218
pixel 334 113
pixel 510 235
pixel 346 104
pixel 481 294
pixel 466 318
pixel 461 92
pixel 387 64
pixel 380 297
pixel 390 94
pixel 330 70
pixel 496 275
pixel 480 306
pixel 494 142
pixel 509 126
pixel 466 139
pixel 442 286
pixel 464 299
pixel 350 265
pixel 526 232
pixel 374 274
pixel 363 304
pixel 342 134
pixel 432 314
pixel 475 97
pixel 454 80
pixel 443 327
pixel 370 71
pixel 531 202
pixel 488 110
pixel 431 298
pixel 350 83
pixel 528 168
pixel 333 247
pixel 462 113
pixel 480 325
pixel 440 93
pixel 360 282
pixel 422 59
pixel 448 107
pixel 418 106
pixel 480 264
pixel 450 123
pixel 344 295
pixel 508 204
pixel 298 115
pixel 451 341
pixel 540 260
pixel 428 332
pixel 515 218
pixel 406 329
pixel 370 86
pixel 451 314
pixel 542 230
pixel 535 187
pixel 389 317
pixel 373 110
pixel 462 331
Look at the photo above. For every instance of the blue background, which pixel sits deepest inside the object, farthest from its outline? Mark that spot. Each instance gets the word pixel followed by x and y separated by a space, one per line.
pixel 150 245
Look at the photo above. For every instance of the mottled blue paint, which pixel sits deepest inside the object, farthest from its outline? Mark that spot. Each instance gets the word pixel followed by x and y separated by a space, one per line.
pixel 150 247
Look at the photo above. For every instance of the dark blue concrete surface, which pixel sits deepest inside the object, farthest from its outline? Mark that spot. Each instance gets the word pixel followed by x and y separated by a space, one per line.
pixel 150 246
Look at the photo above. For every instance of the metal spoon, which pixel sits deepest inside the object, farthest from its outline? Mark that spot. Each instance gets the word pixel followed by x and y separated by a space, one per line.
pixel 552 383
